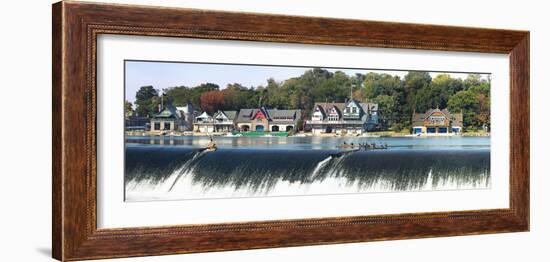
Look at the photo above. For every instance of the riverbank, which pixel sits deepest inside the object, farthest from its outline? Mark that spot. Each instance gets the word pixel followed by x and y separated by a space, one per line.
pixel 468 133
pixel 475 133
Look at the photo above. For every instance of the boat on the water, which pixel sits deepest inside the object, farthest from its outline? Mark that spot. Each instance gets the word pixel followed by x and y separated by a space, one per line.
pixel 364 146
pixel 211 147
pixel 346 146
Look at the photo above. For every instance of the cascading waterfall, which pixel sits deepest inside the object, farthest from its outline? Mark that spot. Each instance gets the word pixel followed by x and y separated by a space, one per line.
pixel 320 166
pixel 186 168
pixel 157 172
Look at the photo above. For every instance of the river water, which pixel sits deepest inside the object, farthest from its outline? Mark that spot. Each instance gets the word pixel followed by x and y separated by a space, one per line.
pixel 169 168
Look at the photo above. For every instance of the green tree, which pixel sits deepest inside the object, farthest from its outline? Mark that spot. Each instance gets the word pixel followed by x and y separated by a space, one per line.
pixel 415 81
pixel 472 80
pixel 466 102
pixel 335 88
pixel 447 83
pixel 482 93
pixel 381 84
pixel 128 110
pixel 275 95
pixel 179 96
pixel 146 101
pixel 379 87
pixel 431 97
pixel 301 89
pixel 238 96
pixel 387 109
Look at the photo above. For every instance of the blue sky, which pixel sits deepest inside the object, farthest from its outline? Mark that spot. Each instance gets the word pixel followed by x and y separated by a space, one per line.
pixel 170 74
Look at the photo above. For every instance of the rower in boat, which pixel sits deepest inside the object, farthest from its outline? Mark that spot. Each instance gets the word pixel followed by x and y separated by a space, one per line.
pixel 370 146
pixel 211 146
pixel 346 145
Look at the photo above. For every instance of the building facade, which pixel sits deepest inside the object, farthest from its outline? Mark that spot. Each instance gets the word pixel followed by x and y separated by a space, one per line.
pixel 268 120
pixel 204 123
pixel 352 118
pixel 187 116
pixel 173 119
pixel 436 122
pixel 224 121
pixel 220 122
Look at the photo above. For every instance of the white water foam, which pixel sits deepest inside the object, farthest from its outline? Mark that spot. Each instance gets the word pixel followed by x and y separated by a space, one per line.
pixel 320 166
pixel 180 186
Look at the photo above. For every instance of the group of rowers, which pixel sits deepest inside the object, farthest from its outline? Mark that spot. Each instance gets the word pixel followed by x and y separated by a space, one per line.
pixel 363 146
pixel 213 147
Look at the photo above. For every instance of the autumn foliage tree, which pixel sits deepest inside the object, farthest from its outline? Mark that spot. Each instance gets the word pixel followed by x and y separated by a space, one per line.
pixel 212 101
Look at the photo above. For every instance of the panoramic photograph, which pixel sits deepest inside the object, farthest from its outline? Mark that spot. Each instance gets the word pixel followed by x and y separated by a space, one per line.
pixel 210 130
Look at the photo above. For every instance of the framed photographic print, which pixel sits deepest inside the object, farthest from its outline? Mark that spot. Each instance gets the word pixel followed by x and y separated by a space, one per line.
pixel 181 130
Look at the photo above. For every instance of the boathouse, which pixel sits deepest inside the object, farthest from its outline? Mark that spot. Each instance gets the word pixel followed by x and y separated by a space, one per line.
pixel 436 122
pixel 171 118
pixel 220 122
pixel 351 117
pixel 203 123
pixel 268 120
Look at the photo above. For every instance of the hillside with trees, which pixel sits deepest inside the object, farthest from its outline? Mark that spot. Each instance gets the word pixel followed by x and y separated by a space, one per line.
pixel 397 97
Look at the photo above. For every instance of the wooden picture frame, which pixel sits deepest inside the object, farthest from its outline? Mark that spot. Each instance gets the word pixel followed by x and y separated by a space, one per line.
pixel 76 26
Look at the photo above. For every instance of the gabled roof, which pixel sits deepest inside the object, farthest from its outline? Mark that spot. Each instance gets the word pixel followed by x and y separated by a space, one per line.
pixel 320 109
pixel 353 101
pixel 366 110
pixel 455 119
pixel 326 105
pixel 260 114
pixel 231 114
pixel 418 119
pixel 246 115
pixel 265 112
pixel 276 113
pixel 168 112
pixel 219 113
pixel 204 115
pixel 366 107
pixel 288 116
pixel 227 114
pixel 335 108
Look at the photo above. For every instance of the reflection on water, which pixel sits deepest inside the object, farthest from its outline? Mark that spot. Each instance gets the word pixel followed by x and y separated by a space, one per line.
pixel 312 142
pixel 160 168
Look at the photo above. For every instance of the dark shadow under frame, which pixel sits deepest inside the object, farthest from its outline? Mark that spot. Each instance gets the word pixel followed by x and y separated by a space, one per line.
pixel 75 28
